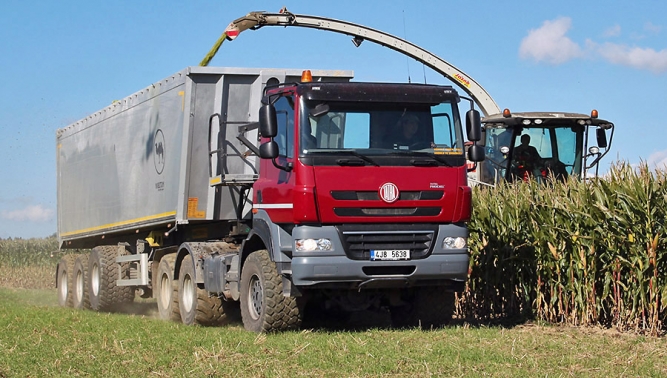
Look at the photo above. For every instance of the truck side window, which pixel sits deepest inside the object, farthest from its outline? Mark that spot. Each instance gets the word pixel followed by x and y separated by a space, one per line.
pixel 285 114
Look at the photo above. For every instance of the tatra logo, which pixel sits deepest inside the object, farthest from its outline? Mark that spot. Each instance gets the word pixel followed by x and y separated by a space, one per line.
pixel 389 192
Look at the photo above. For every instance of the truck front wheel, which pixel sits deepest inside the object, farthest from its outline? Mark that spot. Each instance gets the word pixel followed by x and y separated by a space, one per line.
pixel 65 278
pixel 264 308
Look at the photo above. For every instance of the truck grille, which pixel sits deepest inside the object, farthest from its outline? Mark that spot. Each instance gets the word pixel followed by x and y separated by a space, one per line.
pixel 423 195
pixel 387 211
pixel 359 240
pixel 370 209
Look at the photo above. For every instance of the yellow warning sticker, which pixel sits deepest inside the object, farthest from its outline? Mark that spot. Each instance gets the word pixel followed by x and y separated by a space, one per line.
pixel 447 151
pixel 193 203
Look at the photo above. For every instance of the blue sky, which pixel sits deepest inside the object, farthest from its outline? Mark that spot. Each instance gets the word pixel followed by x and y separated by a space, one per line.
pixel 62 60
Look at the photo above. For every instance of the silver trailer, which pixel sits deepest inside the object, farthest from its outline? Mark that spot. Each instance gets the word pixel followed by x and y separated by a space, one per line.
pixel 165 156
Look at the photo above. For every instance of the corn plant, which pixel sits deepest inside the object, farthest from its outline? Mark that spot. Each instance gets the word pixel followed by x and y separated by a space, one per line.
pixel 28 252
pixel 573 252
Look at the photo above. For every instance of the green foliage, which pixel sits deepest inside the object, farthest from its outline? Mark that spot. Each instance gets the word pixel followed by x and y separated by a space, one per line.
pixel 19 253
pixel 573 252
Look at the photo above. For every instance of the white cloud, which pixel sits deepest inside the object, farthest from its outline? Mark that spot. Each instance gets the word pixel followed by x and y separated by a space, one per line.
pixel 657 160
pixel 32 213
pixel 652 28
pixel 549 43
pixel 636 57
pixel 613 31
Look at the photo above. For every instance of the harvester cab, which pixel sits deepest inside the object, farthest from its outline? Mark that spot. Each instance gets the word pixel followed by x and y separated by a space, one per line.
pixel 541 145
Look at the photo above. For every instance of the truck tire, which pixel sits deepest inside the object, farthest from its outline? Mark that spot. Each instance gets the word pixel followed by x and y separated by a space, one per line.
pixel 264 308
pixel 103 293
pixel 80 298
pixel 194 303
pixel 167 289
pixel 430 307
pixel 65 280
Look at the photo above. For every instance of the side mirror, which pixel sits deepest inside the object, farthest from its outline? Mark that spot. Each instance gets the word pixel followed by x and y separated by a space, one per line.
pixel 268 122
pixel 601 137
pixel 475 153
pixel 473 126
pixel 268 150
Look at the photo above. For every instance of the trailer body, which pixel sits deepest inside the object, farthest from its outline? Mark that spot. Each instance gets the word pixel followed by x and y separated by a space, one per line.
pixel 143 162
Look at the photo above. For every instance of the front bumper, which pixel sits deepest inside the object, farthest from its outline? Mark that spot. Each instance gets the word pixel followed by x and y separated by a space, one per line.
pixel 335 269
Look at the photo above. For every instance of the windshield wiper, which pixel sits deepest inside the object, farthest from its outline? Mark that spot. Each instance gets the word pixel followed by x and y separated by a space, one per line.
pixel 350 162
pixel 424 163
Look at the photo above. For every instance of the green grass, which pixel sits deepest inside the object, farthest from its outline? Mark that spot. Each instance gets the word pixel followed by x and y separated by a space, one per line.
pixel 38 338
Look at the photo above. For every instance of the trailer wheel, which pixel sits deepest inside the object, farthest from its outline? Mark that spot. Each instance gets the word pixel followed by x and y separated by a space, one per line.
pixel 103 292
pixel 430 307
pixel 194 303
pixel 80 298
pixel 264 308
pixel 65 280
pixel 167 289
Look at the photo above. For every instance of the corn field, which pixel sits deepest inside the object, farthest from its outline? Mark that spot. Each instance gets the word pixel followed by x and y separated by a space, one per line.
pixel 579 253
pixel 28 263
pixel 28 252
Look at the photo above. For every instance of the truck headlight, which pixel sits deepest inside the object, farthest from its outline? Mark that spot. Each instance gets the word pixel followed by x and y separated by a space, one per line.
pixel 454 243
pixel 310 245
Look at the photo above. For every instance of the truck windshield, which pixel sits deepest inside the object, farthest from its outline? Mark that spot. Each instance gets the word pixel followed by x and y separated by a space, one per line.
pixel 381 129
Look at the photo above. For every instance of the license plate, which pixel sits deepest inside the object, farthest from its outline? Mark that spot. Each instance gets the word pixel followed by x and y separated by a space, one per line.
pixel 390 254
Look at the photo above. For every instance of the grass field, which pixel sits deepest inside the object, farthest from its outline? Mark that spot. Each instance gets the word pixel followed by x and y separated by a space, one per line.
pixel 38 338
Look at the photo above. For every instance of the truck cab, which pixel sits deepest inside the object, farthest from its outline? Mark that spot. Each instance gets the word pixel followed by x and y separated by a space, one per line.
pixel 366 204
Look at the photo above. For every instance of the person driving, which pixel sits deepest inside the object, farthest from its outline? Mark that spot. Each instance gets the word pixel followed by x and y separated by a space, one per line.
pixel 527 157
pixel 525 151
pixel 407 137
pixel 408 127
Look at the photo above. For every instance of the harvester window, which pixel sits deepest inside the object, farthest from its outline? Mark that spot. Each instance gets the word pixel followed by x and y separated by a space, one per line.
pixel 539 138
